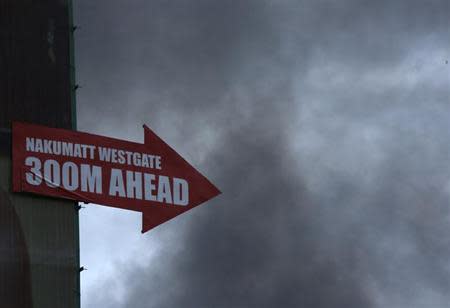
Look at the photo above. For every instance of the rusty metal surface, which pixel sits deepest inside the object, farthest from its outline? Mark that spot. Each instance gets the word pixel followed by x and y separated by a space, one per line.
pixel 42 231
pixel 15 278
pixel 39 260
pixel 35 62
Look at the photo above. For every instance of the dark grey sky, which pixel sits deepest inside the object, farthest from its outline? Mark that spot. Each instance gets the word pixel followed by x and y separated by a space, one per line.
pixel 325 124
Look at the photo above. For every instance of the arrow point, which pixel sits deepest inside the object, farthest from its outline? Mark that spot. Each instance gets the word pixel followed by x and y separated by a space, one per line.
pixel 150 136
pixel 152 217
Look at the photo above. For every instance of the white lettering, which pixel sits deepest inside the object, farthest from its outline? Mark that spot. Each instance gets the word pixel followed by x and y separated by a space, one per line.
pixel 67 149
pixel 113 155
pixel 35 176
pixel 134 185
pixel 30 144
pixel 52 174
pixel 104 153
pixel 158 162
pixel 48 146
pixel 92 151
pixel 77 150
pixel 91 180
pixel 70 176
pixel 164 194
pixel 149 186
pixel 180 192
pixel 137 159
pixel 116 183
pixel 38 146
pixel 121 154
pixel 57 147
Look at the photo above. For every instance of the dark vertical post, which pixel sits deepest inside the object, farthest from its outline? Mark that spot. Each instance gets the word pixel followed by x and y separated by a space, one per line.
pixel 73 100
pixel 39 237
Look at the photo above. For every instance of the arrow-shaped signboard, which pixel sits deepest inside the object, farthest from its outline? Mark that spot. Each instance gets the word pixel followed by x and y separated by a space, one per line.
pixel 150 178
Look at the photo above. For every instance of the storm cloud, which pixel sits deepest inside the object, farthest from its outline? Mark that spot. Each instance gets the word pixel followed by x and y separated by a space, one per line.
pixel 325 125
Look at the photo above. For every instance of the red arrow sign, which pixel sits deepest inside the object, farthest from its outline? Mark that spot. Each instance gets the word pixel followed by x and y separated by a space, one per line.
pixel 150 178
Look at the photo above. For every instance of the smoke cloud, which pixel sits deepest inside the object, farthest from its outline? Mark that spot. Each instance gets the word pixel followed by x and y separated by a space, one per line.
pixel 325 125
